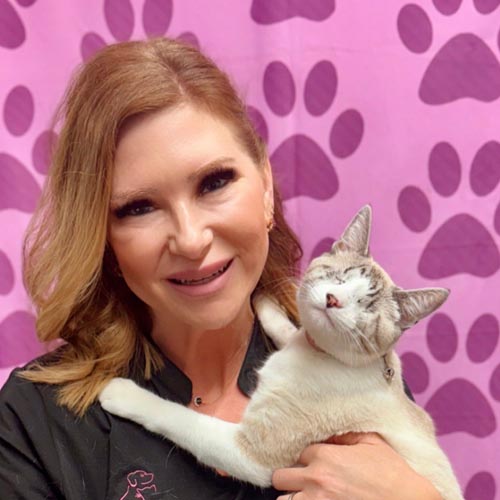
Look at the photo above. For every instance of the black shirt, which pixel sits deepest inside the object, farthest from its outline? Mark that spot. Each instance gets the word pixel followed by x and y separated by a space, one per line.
pixel 46 452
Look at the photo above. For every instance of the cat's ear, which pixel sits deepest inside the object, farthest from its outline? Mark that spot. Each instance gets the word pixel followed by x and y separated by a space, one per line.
pixel 356 236
pixel 417 304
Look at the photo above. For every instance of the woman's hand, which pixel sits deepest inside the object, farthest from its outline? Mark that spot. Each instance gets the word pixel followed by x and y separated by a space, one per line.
pixel 352 467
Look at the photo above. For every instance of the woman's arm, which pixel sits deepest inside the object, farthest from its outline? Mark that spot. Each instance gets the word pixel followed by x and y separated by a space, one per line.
pixel 353 466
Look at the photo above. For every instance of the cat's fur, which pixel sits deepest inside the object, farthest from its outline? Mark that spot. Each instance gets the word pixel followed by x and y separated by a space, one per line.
pixel 343 376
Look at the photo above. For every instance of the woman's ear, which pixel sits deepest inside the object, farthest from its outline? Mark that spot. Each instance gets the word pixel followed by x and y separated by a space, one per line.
pixel 268 189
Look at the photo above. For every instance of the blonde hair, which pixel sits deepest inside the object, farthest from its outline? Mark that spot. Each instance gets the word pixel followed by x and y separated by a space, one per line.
pixel 68 267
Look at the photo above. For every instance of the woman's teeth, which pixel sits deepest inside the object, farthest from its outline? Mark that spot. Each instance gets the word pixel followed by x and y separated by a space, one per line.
pixel 202 281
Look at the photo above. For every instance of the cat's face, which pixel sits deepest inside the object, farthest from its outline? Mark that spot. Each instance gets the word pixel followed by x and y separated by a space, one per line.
pixel 350 306
pixel 346 305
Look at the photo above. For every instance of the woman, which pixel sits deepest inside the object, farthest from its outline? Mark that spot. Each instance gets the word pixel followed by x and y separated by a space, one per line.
pixel 158 222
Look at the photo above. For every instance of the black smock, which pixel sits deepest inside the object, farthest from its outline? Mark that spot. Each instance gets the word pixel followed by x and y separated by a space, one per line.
pixel 48 453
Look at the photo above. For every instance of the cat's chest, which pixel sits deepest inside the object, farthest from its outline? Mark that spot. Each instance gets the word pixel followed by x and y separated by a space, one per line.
pixel 298 369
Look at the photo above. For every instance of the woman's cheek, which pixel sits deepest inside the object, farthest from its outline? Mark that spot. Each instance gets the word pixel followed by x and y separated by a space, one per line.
pixel 136 248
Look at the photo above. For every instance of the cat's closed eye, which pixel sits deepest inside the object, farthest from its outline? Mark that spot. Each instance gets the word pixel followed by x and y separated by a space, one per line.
pixel 334 277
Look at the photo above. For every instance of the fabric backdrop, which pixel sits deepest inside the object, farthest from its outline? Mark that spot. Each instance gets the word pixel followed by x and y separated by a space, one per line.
pixel 393 103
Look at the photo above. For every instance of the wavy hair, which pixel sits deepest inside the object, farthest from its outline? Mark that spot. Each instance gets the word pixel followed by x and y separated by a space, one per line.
pixel 68 266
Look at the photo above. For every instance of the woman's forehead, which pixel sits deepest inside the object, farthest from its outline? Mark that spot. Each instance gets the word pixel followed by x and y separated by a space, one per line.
pixel 173 142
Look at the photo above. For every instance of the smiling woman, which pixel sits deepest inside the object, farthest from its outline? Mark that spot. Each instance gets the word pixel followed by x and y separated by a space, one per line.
pixel 152 234
pixel 158 223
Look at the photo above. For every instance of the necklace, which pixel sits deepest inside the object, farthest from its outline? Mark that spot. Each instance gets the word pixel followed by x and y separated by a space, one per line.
pixel 199 400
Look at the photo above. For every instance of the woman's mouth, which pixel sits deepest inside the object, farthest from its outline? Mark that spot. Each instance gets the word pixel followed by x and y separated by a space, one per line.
pixel 205 279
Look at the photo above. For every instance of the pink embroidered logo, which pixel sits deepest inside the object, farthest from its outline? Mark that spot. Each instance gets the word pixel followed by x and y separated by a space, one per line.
pixel 139 485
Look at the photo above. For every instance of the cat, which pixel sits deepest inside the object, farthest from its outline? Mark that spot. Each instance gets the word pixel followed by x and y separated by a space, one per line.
pixel 336 374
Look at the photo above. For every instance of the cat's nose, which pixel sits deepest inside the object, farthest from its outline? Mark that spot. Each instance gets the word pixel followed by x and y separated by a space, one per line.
pixel 332 301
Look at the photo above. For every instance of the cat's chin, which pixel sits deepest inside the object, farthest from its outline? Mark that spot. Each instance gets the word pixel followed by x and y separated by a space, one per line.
pixel 329 338
pixel 324 337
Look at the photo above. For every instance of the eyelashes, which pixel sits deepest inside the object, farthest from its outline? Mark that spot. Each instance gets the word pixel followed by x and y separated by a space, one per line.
pixel 133 208
pixel 217 179
pixel 211 182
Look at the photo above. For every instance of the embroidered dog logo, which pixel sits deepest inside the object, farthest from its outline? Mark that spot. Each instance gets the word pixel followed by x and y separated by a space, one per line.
pixel 139 485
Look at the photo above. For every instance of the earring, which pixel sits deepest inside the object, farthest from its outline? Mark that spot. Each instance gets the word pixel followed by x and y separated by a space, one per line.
pixel 270 223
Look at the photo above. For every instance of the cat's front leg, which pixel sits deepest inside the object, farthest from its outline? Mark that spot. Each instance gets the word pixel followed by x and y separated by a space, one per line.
pixel 124 398
pixel 212 441
pixel 274 320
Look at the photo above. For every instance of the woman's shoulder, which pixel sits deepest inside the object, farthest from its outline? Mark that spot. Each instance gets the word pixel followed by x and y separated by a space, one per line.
pixel 29 401
pixel 18 390
pixel 26 404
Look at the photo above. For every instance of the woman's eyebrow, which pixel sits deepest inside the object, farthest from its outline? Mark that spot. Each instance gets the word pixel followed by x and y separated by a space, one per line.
pixel 120 198
pixel 209 167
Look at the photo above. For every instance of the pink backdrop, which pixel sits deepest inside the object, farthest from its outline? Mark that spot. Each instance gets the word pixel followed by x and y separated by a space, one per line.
pixel 390 103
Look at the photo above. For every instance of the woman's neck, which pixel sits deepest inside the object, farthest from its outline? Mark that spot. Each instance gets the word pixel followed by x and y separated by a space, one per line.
pixel 210 358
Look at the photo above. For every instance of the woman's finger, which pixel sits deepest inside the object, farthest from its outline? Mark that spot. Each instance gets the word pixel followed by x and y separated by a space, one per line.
pixel 289 479
pixel 352 438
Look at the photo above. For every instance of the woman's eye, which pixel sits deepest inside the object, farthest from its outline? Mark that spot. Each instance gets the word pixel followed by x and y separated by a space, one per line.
pixel 216 180
pixel 134 209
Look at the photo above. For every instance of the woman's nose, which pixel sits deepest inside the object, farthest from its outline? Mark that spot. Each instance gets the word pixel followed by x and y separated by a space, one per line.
pixel 190 236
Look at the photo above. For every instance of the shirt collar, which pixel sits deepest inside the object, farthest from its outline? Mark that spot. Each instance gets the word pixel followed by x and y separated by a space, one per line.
pixel 172 383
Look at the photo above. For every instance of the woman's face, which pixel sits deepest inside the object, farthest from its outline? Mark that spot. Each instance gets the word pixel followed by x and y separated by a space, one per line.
pixel 188 217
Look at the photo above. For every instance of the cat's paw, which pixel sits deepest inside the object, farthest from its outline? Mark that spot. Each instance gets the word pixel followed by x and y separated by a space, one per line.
pixel 274 320
pixel 121 397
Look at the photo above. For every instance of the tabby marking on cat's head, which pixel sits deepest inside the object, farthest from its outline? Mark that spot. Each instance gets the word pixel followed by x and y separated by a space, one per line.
pixel 349 305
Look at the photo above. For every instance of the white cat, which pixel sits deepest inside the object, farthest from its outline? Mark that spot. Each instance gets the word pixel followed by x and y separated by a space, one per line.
pixel 336 374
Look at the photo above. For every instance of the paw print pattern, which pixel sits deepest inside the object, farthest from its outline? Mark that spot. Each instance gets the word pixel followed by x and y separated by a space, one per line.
pixel 19 189
pixel 465 66
pixel 301 165
pixel 120 20
pixel 460 405
pixel 442 257
pixel 275 11
pixel 459 397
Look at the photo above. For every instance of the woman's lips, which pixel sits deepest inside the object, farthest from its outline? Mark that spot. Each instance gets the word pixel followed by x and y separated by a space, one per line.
pixel 206 278
pixel 207 284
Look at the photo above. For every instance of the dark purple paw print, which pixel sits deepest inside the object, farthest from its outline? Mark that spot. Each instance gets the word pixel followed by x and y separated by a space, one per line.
pixel 459 397
pixel 465 66
pixel 120 18
pixel 301 165
pixel 477 254
pixel 275 11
